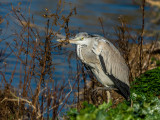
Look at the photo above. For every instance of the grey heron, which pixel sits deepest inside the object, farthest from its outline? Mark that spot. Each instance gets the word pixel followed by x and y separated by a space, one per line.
pixel 104 60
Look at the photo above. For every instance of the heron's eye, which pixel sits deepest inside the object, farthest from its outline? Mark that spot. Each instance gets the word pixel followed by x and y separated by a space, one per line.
pixel 82 38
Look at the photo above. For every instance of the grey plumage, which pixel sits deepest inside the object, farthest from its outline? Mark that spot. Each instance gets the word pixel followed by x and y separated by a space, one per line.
pixel 104 60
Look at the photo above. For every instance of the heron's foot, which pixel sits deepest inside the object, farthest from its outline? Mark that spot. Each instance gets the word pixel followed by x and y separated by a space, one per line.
pixel 108 89
pixel 103 88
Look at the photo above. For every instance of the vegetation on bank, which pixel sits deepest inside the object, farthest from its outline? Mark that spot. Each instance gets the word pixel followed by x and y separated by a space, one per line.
pixel 145 103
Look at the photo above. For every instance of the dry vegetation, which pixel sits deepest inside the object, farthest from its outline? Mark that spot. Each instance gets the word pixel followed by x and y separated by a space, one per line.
pixel 44 102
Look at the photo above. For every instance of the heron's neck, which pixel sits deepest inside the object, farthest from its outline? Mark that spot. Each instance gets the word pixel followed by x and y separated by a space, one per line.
pixel 79 50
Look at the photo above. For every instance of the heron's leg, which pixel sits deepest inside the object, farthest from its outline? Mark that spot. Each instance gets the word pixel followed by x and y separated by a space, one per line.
pixel 103 88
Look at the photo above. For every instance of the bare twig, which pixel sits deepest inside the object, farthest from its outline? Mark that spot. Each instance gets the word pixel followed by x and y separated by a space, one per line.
pixel 101 22
pixel 141 38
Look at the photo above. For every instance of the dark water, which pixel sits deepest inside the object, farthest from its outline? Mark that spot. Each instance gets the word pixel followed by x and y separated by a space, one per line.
pixel 86 20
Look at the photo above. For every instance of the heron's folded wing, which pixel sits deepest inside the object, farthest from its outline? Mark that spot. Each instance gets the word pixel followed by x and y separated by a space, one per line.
pixel 114 66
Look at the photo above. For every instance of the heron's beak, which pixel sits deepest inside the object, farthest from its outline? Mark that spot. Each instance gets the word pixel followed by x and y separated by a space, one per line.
pixel 60 40
pixel 72 40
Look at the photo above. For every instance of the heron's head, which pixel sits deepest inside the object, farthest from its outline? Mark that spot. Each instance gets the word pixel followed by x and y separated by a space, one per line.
pixel 82 38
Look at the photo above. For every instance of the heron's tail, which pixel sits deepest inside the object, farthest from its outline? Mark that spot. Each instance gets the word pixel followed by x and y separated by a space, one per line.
pixel 122 87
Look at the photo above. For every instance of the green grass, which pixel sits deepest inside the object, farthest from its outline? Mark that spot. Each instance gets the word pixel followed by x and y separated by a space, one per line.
pixel 146 104
pixel 156 60
pixel 148 83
